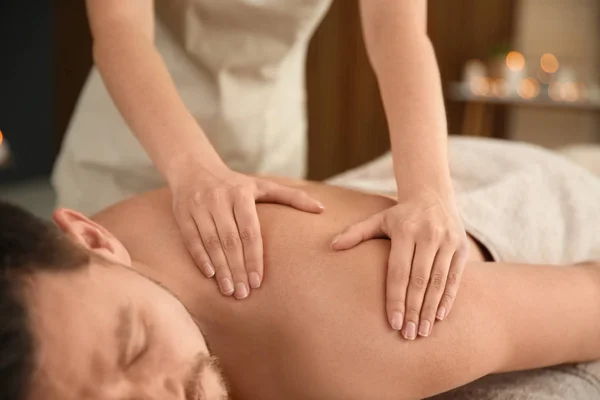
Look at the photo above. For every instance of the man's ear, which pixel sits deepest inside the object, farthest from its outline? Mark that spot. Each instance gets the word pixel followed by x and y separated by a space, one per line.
pixel 91 235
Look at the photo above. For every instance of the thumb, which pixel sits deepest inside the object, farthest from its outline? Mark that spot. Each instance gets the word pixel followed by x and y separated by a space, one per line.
pixel 270 192
pixel 369 228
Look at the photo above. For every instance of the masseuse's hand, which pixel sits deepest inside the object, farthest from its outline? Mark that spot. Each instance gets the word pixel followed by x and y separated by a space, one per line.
pixel 427 259
pixel 216 212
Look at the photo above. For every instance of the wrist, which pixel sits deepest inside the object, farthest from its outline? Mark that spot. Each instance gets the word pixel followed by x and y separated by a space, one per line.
pixel 199 162
pixel 422 188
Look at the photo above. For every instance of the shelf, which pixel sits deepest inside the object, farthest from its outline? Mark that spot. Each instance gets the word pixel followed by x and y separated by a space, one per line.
pixel 458 92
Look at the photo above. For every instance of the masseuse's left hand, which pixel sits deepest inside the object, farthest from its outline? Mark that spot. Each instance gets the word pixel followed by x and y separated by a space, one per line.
pixel 427 259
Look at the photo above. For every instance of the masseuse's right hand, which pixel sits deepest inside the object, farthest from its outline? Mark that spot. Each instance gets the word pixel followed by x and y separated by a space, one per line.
pixel 216 213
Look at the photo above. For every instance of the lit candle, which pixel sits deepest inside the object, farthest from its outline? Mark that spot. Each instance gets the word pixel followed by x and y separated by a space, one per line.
pixel 474 70
pixel 474 73
pixel 514 72
pixel 4 152
pixel 549 63
pixel 566 75
pixel 529 89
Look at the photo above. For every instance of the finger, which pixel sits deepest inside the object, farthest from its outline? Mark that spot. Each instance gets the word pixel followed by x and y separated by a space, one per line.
pixel 212 244
pixel 232 247
pixel 435 290
pixel 193 242
pixel 249 230
pixel 270 192
pixel 419 279
pixel 401 256
pixel 457 267
pixel 367 229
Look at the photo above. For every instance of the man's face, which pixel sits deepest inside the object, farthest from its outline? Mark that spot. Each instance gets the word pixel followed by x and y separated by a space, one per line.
pixel 105 332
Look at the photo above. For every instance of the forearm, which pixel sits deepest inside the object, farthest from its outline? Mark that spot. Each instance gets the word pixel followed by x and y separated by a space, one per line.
pixel 405 65
pixel 412 97
pixel 144 93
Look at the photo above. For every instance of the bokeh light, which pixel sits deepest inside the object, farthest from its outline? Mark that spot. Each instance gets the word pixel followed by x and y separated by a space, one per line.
pixel 549 63
pixel 499 88
pixel 554 91
pixel 569 92
pixel 515 61
pixel 529 88
pixel 481 86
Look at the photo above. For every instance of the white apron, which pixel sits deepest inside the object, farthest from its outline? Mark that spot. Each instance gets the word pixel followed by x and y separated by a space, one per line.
pixel 239 66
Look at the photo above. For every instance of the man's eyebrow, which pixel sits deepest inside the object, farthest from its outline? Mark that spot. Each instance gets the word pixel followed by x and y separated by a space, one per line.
pixel 124 332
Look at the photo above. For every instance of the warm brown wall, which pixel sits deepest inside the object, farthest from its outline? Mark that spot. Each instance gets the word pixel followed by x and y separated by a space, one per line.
pixel 347 125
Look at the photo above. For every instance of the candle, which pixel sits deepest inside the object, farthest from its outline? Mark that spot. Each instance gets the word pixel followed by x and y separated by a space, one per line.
pixel 514 72
pixel 473 71
pixel 4 153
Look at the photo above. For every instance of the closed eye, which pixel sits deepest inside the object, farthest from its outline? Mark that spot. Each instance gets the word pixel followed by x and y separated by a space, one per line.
pixel 139 354
pixel 142 344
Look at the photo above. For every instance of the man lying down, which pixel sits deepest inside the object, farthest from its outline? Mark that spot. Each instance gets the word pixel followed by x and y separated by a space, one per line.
pixel 113 307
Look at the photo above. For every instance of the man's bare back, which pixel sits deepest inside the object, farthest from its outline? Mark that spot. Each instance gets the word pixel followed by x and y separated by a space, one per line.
pixel 317 329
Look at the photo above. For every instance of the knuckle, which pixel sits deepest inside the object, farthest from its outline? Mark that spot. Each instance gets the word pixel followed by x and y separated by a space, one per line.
pixel 428 311
pixel 239 193
pixel 453 278
pixel 215 196
pixel 238 274
pixel 457 240
pixel 197 251
pixel 418 281
pixel 295 192
pixel 252 266
pixel 463 246
pixel 395 303
pixel 432 233
pixel 248 235
pixel 438 281
pixel 452 238
pixel 447 298
pixel 413 312
pixel 407 228
pixel 231 241
pixel 212 242
pixel 196 197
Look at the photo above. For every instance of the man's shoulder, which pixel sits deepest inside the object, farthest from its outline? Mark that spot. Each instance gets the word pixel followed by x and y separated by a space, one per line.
pixel 138 208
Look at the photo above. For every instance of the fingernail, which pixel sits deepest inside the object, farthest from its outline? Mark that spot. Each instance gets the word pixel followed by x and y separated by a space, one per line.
pixel 410 332
pixel 254 280
pixel 335 239
pixel 226 286
pixel 441 314
pixel 424 328
pixel 397 320
pixel 241 291
pixel 209 270
pixel 320 205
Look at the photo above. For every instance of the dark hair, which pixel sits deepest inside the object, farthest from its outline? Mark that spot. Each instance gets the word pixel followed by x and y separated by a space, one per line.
pixel 27 245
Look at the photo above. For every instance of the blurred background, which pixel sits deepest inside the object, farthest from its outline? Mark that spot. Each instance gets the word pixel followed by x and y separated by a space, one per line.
pixel 526 70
